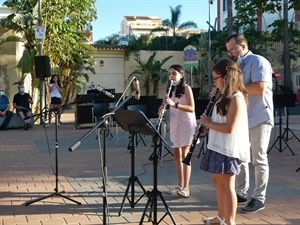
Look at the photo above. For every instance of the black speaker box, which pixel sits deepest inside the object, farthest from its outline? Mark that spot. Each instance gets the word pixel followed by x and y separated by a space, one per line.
pixel 42 66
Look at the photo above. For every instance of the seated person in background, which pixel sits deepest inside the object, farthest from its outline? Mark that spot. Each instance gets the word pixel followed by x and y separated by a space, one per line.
pixel 4 109
pixel 21 103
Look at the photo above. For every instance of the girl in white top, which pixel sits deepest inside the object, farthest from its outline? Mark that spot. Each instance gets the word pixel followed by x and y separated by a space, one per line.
pixel 55 89
pixel 228 143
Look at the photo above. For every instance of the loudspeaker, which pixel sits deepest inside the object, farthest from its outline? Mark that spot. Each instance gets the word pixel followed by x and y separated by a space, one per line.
pixel 42 66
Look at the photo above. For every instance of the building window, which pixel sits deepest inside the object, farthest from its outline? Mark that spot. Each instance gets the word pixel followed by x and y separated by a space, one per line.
pixel 298 80
pixel 225 7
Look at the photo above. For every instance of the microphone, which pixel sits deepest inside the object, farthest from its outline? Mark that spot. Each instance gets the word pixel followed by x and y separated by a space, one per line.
pixel 137 94
pixel 136 86
pixel 107 93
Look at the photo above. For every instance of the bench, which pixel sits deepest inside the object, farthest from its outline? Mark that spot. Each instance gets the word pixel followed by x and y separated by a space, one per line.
pixel 16 121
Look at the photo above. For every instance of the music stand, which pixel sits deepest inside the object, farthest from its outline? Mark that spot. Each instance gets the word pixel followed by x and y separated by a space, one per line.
pixel 152 195
pixel 288 90
pixel 132 122
pixel 281 101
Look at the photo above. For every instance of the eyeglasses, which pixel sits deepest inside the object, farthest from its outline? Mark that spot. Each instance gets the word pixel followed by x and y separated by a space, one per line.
pixel 216 78
pixel 232 49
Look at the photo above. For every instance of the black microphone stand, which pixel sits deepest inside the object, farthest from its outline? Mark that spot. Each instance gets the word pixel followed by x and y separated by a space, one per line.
pixel 56 192
pixel 104 168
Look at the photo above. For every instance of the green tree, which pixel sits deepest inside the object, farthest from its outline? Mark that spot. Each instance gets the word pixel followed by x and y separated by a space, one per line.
pixel 173 24
pixel 22 21
pixel 246 21
pixel 150 72
pixel 65 22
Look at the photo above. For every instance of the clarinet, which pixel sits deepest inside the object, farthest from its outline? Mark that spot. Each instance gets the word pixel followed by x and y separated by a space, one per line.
pixel 164 106
pixel 208 110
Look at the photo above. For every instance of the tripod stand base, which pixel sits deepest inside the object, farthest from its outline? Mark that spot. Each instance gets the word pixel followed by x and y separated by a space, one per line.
pixel 50 196
pixel 285 134
pixel 152 198
pixel 280 149
pixel 132 202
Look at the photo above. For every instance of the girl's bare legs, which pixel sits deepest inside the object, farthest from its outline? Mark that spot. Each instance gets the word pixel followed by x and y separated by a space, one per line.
pixel 57 110
pixel 186 168
pixel 50 112
pixel 183 170
pixel 58 113
pixel 178 165
pixel 226 197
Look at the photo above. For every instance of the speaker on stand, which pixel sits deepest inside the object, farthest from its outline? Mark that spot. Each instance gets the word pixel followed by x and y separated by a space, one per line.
pixel 42 71
pixel 42 66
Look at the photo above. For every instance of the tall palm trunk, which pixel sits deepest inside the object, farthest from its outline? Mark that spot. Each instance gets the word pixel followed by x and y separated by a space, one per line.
pixel 229 17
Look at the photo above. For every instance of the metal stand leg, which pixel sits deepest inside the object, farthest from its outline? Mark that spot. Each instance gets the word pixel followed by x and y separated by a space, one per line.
pixel 280 138
pixel 287 129
pixel 132 179
pixel 152 195
pixel 56 192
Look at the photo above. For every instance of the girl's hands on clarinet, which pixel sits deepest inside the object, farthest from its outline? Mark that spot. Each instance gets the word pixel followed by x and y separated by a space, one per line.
pixel 205 120
pixel 169 102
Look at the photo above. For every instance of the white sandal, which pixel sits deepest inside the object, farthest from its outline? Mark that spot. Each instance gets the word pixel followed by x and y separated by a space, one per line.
pixel 184 192
pixel 208 221
pixel 175 191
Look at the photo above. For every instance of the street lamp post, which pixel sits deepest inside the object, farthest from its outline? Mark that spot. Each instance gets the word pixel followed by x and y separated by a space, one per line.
pixel 286 50
pixel 42 79
pixel 210 2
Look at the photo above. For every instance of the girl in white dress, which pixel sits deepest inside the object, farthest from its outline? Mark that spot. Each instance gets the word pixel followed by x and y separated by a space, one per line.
pixel 182 126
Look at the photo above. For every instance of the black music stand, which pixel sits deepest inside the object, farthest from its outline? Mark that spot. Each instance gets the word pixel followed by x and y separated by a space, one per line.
pixel 281 101
pixel 152 195
pixel 288 90
pixel 132 122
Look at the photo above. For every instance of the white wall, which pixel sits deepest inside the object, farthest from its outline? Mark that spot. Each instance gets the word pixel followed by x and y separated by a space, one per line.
pixel 113 73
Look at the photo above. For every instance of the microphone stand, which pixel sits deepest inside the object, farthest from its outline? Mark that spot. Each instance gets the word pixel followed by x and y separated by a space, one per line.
pixel 133 79
pixel 104 168
pixel 56 192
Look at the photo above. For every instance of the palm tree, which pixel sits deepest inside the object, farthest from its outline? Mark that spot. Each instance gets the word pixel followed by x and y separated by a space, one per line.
pixel 229 17
pixel 114 39
pixel 150 72
pixel 173 23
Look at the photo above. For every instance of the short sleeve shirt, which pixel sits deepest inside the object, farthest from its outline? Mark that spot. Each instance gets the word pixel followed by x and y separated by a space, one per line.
pixel 4 101
pixel 22 100
pixel 257 68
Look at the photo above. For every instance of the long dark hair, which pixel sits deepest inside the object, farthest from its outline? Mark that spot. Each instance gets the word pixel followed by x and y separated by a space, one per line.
pixel 233 83
pixel 58 80
pixel 181 86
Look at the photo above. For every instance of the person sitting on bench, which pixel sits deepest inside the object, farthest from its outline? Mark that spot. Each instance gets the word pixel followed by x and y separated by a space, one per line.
pixel 21 102
pixel 4 109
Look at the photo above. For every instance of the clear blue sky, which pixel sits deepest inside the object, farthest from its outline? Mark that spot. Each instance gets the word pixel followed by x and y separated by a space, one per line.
pixel 110 13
